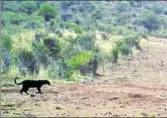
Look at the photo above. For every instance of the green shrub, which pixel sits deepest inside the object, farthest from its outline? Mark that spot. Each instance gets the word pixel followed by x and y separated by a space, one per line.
pixel 47 11
pixel 120 30
pixel 6 41
pixel 114 55
pixel 126 50
pixel 124 46
pixel 11 6
pixel 158 8
pixel 130 40
pixel 74 27
pixel 28 7
pixel 86 42
pixel 53 46
pixel 11 17
pixel 27 62
pixel 80 59
pixel 122 6
pixel 41 52
pixel 149 21
pixel 67 16
pixel 33 22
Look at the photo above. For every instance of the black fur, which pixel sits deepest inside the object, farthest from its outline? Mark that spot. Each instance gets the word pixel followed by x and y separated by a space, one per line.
pixel 26 84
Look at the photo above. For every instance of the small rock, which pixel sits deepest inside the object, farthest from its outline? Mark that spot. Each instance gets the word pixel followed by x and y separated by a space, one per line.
pixel 122 106
pixel 110 113
pixel 32 95
pixel 144 114
pixel 84 98
pixel 78 108
pixel 58 108
pixel 36 104
pixel 114 98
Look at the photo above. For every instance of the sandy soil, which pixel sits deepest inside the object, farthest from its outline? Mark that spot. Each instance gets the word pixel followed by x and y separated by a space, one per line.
pixel 136 87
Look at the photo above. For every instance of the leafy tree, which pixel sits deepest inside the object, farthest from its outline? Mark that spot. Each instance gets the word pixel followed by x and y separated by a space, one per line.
pixel 33 23
pixel 67 16
pixel 28 7
pixel 47 11
pixel 11 17
pixel 11 6
pixel 158 8
pixel 150 21
pixel 122 6
pixel 66 4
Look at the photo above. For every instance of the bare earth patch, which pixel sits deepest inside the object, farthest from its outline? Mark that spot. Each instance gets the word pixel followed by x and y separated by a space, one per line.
pixel 137 87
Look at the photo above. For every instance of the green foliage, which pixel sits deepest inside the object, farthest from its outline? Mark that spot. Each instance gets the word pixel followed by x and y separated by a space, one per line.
pixel 130 39
pixel 124 46
pixel 67 16
pixel 126 50
pixel 97 15
pixel 74 27
pixel 28 7
pixel 86 42
pixel 80 59
pixel 11 6
pixel 11 17
pixel 7 84
pixel 41 52
pixel 53 46
pixel 120 30
pixel 122 6
pixel 158 8
pixel 27 62
pixel 66 4
pixel 33 22
pixel 114 55
pixel 6 41
pixel 149 21
pixel 159 34
pixel 47 11
pixel 64 57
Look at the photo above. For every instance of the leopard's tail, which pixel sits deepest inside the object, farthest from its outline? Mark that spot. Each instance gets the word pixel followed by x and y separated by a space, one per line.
pixel 16 82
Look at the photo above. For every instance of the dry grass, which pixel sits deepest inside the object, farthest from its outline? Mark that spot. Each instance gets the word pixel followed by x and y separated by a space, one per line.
pixel 23 41
pixel 105 45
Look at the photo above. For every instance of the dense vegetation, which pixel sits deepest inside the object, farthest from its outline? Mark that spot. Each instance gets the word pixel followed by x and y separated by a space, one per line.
pixel 60 39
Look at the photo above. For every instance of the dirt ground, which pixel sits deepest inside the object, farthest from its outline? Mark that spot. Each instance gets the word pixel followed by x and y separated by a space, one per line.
pixel 136 87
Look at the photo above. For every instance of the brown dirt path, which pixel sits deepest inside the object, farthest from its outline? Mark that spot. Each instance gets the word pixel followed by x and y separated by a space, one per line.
pixel 136 87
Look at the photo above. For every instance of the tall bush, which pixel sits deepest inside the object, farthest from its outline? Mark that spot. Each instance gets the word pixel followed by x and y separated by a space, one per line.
pixel 47 11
